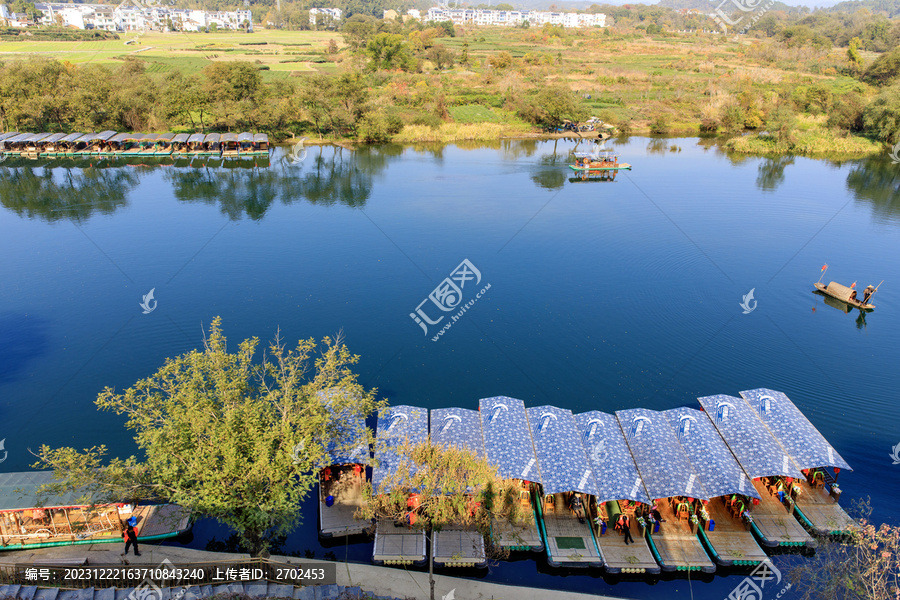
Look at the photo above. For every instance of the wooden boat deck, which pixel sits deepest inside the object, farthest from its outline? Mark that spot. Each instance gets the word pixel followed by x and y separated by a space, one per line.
pixel 731 540
pixel 398 545
pixel 678 547
pixel 338 519
pixel 823 514
pixel 458 547
pixel 79 525
pixel 568 542
pixel 620 557
pixel 774 525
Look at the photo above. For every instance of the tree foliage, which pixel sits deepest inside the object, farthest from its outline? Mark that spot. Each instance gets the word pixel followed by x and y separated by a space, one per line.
pixel 882 116
pixel 225 437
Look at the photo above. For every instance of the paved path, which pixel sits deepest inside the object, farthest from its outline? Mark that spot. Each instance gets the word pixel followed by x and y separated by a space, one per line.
pixel 376 581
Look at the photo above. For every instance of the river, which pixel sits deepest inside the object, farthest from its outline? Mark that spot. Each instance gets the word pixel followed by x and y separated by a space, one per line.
pixel 603 295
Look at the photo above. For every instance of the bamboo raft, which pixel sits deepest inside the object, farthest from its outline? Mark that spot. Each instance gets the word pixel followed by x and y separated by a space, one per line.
pixel 844 294
pixel 731 542
pixel 457 546
pixel 819 512
pixel 618 556
pixel 773 525
pixel 524 536
pixel 339 518
pixel 112 144
pixel 567 541
pixel 676 545
pixel 398 545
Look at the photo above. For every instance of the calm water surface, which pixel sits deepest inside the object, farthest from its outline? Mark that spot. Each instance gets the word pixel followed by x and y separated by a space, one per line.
pixel 604 295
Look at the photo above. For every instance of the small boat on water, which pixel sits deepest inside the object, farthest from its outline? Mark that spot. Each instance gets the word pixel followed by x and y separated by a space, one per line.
pixel 844 294
pixel 64 520
pixel 598 159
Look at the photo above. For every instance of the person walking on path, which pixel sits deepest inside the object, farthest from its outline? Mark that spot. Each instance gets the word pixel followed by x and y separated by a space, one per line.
pixel 130 536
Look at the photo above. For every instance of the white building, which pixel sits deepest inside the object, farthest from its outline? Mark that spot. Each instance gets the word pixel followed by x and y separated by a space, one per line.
pixel 135 18
pixel 323 15
pixel 512 18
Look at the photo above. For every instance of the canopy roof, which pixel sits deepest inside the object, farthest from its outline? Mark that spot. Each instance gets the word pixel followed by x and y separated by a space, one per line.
pixel 135 137
pixel 229 137
pixel 261 137
pixel 72 137
pixel 616 475
pixel 396 426
pixel 120 137
pixel 18 491
pixel 841 291
pixel 165 137
pixel 756 449
pixel 53 138
pixel 664 467
pixel 39 137
pixel 181 138
pixel 197 137
pixel 347 442
pixel 806 445
pixel 19 138
pixel 459 427
pixel 8 135
pixel 104 135
pixel 149 137
pixel 245 137
pixel 212 137
pixel 709 454
pixel 563 463
pixel 507 439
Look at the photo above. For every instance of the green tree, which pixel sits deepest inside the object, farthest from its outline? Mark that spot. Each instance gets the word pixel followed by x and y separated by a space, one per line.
pixel 387 51
pixel 853 54
pixel 453 486
pixel 885 69
pixel 225 437
pixel 441 56
pixel 882 116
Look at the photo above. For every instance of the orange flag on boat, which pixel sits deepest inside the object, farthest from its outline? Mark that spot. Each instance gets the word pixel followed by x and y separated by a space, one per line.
pixel 853 285
pixel 824 267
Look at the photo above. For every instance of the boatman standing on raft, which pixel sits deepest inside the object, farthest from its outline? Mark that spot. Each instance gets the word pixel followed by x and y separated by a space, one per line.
pixel 867 293
pixel 130 536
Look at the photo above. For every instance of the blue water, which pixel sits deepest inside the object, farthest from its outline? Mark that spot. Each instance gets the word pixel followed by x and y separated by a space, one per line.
pixel 603 295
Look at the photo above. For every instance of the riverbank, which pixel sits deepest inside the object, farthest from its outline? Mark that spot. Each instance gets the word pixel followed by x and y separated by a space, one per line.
pixel 378 581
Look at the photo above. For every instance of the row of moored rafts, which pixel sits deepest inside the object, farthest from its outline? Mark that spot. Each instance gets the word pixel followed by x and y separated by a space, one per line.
pixel 110 143
pixel 721 485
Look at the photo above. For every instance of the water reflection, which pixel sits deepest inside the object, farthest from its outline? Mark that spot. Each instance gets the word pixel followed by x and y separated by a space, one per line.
pixel 73 191
pixel 877 181
pixel 771 172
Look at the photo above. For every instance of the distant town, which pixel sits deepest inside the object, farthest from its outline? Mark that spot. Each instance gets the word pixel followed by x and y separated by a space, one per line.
pixel 131 17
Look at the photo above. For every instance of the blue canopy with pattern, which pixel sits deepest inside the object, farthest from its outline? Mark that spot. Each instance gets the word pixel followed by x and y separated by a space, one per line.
pixel 507 440
pixel 460 427
pixel 806 445
pixel 752 443
pixel 709 454
pixel 396 426
pixel 663 465
pixel 616 475
pixel 563 463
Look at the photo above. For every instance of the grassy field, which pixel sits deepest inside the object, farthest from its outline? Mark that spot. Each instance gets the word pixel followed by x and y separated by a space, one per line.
pixel 190 52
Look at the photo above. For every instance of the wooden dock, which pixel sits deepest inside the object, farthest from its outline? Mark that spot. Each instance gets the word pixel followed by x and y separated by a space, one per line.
pixel 620 557
pixel 161 521
pixel 458 547
pixel 820 513
pixel 772 523
pixel 339 519
pixel 677 547
pixel 730 542
pixel 568 542
pixel 398 545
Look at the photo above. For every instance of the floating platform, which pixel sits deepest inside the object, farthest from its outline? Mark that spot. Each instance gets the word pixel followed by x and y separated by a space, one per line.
pixel 568 542
pixel 773 525
pixel 618 556
pixel 598 168
pixel 458 547
pixel 338 520
pixel 524 536
pixel 676 546
pixel 398 545
pixel 820 513
pixel 731 542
